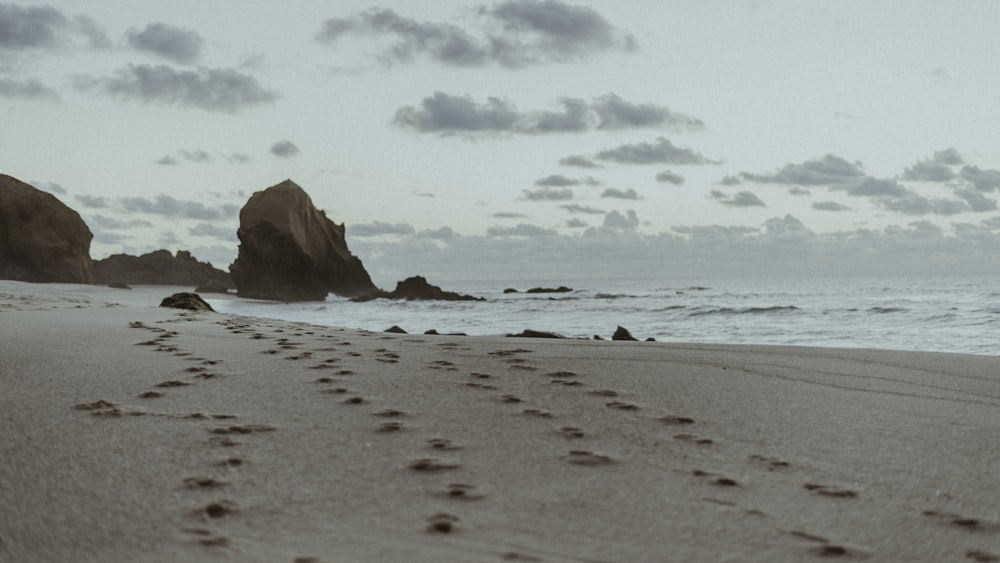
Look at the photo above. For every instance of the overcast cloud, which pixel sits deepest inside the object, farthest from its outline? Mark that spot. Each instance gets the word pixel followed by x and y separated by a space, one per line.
pixel 661 151
pixel 512 34
pixel 30 89
pixel 211 89
pixel 176 44
pixel 548 193
pixel 739 199
pixel 285 149
pixel 24 28
pixel 446 115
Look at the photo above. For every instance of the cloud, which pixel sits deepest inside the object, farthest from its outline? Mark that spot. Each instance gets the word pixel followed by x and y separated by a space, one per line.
pixel 615 220
pixel 731 180
pixel 444 233
pixel 828 170
pixel 114 223
pixel 93 202
pixel 522 230
pixel 982 180
pixel 574 208
pixel 285 149
pixel 874 187
pixel 739 199
pixel 236 158
pixel 167 206
pixel 558 181
pixel 167 160
pixel 51 187
pixel 976 200
pixel 579 161
pixel 196 155
pixel 508 215
pixel 668 177
pixel 936 168
pixel 620 194
pixel 662 151
pixel 31 89
pixel 447 115
pixel 575 223
pixel 378 229
pixel 830 206
pixel 176 44
pixel 214 231
pixel 512 34
pixel 548 193
pixel 211 89
pixel 43 27
pixel 912 203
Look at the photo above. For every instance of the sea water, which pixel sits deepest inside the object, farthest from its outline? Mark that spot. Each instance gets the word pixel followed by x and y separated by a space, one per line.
pixel 928 313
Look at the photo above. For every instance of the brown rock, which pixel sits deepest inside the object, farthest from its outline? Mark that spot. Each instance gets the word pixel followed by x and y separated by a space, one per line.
pixel 417 288
pixel 290 251
pixel 159 268
pixel 41 239
pixel 189 301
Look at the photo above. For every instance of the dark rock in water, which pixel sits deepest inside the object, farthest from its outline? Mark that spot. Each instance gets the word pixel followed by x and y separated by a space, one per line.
pixel 160 268
pixel 417 288
pixel 650 339
pixel 189 301
pixel 622 333
pixel 598 337
pixel 560 289
pixel 41 239
pixel 396 329
pixel 432 332
pixel 510 290
pixel 290 251
pixel 529 333
pixel 118 285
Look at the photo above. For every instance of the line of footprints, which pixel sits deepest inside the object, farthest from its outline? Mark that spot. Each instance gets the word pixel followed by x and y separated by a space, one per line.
pixel 226 435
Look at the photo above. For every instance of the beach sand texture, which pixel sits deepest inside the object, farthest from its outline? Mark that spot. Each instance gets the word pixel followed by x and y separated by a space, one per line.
pixel 134 433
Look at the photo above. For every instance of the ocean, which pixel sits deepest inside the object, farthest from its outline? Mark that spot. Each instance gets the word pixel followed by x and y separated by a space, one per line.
pixel 924 313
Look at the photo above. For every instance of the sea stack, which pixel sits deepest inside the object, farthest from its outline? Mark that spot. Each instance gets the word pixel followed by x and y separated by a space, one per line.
pixel 41 239
pixel 290 251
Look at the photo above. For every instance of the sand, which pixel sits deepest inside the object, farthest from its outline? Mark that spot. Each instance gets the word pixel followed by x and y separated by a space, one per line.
pixel 134 433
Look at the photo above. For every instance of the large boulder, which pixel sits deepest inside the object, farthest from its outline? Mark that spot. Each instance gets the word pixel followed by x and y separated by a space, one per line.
pixel 159 268
pixel 41 240
pixel 290 251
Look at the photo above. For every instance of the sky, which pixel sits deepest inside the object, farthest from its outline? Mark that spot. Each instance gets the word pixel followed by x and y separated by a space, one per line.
pixel 534 139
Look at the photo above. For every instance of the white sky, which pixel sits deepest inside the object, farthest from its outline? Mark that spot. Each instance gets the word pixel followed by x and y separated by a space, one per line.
pixel 94 107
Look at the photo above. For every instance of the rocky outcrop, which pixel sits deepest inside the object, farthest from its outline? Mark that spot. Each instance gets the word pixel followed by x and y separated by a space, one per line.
pixel 622 333
pixel 290 251
pixel 41 239
pixel 188 301
pixel 417 288
pixel 159 268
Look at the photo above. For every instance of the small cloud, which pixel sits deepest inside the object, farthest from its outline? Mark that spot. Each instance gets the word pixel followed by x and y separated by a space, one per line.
pixel 508 215
pixel 731 180
pixel 615 220
pixel 379 229
pixel 662 151
pixel 739 199
pixel 982 180
pixel 522 230
pixel 829 170
pixel 829 206
pixel 92 201
pixel 51 187
pixel 195 155
pixel 935 169
pixel 214 231
pixel 579 161
pixel 167 160
pixel 237 158
pixel 574 208
pixel 285 149
pixel 668 177
pixel 575 223
pixel 30 89
pixel 620 194
pixel 175 44
pixel 547 193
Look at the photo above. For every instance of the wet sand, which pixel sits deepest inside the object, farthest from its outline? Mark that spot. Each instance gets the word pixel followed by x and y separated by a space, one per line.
pixel 134 433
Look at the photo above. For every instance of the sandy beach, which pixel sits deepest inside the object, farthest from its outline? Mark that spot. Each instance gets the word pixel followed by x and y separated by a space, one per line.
pixel 134 433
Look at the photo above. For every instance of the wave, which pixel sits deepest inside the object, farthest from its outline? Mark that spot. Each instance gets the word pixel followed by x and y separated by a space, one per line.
pixel 743 310
pixel 884 310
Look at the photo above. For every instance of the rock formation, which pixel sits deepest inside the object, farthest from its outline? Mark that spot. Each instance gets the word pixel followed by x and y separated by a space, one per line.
pixel 189 301
pixel 417 287
pixel 159 268
pixel 41 239
pixel 622 333
pixel 290 251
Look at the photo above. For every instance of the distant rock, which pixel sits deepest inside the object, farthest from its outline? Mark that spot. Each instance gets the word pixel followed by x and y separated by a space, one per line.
pixel 290 251
pixel 622 333
pixel 189 301
pixel 529 333
pixel 41 239
pixel 160 268
pixel 395 329
pixel 560 289
pixel 510 290
pixel 417 288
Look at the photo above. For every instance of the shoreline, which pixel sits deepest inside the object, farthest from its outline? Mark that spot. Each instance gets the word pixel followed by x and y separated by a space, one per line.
pixel 133 432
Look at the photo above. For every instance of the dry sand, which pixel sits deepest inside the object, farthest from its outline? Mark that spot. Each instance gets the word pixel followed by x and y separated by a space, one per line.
pixel 133 433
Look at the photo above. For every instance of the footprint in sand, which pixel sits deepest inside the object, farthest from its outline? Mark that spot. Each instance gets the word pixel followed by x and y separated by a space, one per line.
pixel 583 457
pixel 716 478
pixel 442 523
pixel 981 556
pixel 390 427
pixel 335 391
pixel 461 491
pixel 674 419
pixel 694 439
pixel 571 432
pixel 962 521
pixel 830 490
pixel 561 374
pixel 477 385
pixel 244 429
pixel 218 509
pixel 538 413
pixel 605 393
pixel 150 395
pixel 202 483
pixel 479 375
pixel 208 540
pixel 355 401
pixel 431 465
pixel 622 406
pixel 772 463
pixel 443 444
pixel 231 462
pixel 511 399
pixel 391 413
pixel 172 383
pixel 567 382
